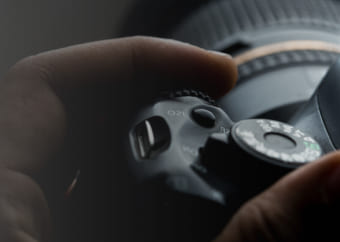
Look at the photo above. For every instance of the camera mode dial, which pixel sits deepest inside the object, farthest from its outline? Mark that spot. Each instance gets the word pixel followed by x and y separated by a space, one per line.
pixel 275 142
pixel 257 152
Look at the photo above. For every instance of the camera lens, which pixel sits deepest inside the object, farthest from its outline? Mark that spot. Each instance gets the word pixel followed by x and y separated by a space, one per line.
pixel 282 48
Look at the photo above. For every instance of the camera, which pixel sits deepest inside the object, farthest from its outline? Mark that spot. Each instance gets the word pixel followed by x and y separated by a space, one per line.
pixel 197 160
pixel 188 154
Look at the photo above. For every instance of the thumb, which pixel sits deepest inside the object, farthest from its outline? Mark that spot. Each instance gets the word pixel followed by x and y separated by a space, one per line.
pixel 300 207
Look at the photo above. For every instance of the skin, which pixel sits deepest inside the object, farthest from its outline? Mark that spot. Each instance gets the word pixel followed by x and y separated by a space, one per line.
pixel 42 96
pixel 302 206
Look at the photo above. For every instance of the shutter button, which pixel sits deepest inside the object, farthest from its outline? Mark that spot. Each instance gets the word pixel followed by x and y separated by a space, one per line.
pixel 203 117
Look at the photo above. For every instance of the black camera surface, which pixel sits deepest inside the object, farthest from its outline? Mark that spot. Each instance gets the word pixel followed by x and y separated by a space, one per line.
pixel 196 160
pixel 188 154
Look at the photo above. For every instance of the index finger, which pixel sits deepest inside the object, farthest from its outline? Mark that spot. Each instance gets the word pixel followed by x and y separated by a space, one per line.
pixel 42 94
pixel 136 62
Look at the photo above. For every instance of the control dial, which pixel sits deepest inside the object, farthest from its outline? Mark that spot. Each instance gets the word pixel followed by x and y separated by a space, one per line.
pixel 192 93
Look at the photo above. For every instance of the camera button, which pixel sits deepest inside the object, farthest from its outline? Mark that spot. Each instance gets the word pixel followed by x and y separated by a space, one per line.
pixel 203 117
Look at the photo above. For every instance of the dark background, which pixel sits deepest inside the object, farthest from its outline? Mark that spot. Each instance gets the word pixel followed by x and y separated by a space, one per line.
pixel 30 27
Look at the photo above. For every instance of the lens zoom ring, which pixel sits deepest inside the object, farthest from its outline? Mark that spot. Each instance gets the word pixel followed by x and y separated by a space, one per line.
pixel 221 19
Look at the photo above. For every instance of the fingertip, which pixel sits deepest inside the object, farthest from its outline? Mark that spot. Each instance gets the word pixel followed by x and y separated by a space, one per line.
pixel 331 185
pixel 316 182
pixel 210 71
pixel 226 72
pixel 323 165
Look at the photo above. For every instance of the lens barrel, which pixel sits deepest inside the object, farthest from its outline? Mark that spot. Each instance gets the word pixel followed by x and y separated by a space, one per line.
pixel 282 48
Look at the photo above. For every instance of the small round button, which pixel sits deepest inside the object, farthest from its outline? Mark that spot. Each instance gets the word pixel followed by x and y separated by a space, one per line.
pixel 204 117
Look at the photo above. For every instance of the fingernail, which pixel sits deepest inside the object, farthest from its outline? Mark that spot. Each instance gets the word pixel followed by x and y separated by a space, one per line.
pixel 220 53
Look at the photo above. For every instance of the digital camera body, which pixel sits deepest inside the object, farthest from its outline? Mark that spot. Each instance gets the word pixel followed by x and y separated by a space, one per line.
pixel 187 153
pixel 197 161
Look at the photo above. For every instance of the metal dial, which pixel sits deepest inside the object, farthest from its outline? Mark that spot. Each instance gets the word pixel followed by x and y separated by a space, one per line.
pixel 276 142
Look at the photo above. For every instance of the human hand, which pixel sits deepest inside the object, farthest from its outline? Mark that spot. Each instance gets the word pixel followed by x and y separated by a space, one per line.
pixel 45 98
pixel 302 206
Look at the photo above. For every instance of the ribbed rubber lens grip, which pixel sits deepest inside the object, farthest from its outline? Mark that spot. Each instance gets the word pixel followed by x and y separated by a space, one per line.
pixel 285 59
pixel 222 19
